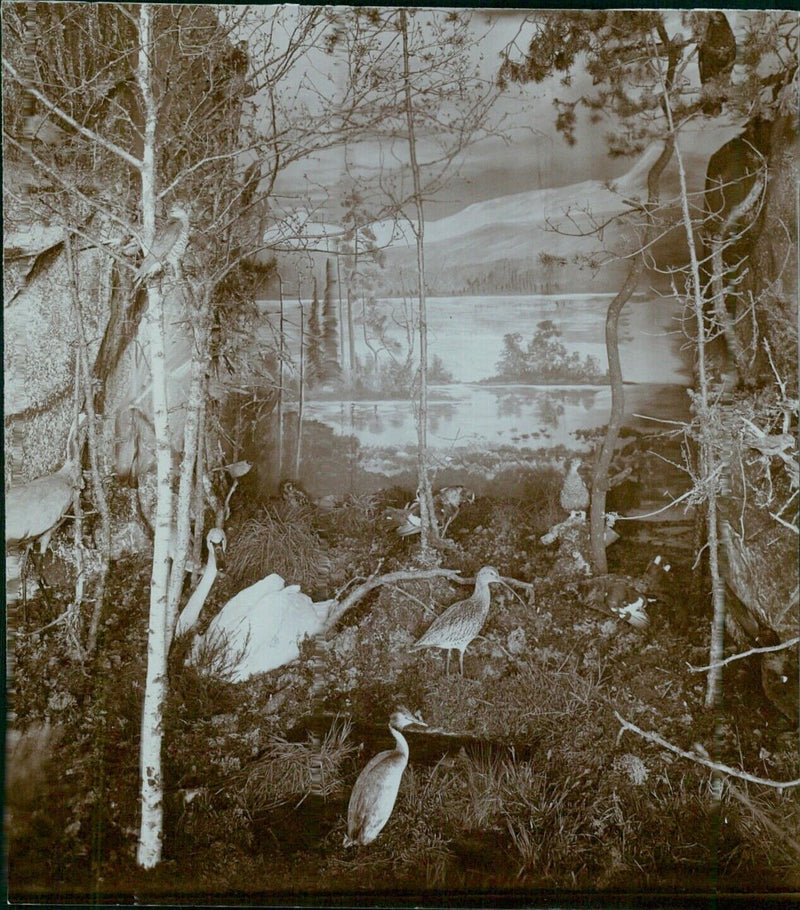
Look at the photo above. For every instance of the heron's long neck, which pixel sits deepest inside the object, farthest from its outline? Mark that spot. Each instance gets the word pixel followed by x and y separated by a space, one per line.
pixel 191 612
pixel 482 593
pixel 402 745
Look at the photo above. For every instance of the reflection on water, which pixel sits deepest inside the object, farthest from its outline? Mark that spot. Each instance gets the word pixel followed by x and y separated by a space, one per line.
pixel 470 415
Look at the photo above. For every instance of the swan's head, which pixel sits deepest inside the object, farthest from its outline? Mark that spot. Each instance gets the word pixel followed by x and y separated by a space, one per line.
pixel 217 543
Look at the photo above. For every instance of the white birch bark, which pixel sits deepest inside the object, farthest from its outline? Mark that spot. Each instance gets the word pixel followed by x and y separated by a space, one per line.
pixel 191 431
pixel 149 848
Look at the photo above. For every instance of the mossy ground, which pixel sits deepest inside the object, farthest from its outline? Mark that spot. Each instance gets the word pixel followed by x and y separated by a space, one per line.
pixel 538 792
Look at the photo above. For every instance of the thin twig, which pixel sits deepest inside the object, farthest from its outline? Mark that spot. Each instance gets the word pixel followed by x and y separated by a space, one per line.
pixel 785 523
pixel 669 505
pixel 62 618
pixel 426 607
pixel 338 609
pixel 780 647
pixel 698 759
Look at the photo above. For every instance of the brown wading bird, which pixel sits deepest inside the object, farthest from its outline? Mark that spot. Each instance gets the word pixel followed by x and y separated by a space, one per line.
pixel 34 510
pixel 462 621
pixel 375 791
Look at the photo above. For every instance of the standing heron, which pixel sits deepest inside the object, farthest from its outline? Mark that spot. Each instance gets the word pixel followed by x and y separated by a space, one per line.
pixel 375 791
pixel 168 246
pixel 462 621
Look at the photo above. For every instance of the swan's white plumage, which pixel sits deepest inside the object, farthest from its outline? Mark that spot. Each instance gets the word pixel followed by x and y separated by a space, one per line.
pixel 265 624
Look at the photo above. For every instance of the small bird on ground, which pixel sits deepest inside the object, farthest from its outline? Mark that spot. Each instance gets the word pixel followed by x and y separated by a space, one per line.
pixel 405 522
pixel 462 621
pixel 447 503
pixel 375 791
pixel 574 495
pixel 294 495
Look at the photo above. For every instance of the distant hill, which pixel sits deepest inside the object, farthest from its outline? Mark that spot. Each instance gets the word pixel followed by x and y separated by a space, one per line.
pixel 544 241
pixel 540 241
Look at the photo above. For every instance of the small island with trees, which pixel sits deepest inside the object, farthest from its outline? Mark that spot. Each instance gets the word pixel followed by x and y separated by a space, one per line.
pixel 545 361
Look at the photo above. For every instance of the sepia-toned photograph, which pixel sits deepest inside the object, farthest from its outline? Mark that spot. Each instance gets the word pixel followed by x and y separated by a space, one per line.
pixel 401 455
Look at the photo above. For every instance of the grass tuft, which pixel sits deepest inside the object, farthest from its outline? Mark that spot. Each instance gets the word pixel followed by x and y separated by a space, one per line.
pixel 282 541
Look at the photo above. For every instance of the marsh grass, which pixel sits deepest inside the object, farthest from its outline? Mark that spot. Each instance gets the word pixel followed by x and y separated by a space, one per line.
pixel 281 540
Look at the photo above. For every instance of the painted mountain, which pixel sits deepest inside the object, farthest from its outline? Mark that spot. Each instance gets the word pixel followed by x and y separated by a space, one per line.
pixel 540 241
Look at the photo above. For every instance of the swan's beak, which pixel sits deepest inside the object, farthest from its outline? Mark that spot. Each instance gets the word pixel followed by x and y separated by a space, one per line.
pixel 219 555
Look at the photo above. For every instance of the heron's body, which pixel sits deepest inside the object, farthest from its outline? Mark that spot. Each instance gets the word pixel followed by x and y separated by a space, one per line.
pixel 375 791
pixel 34 510
pixel 462 621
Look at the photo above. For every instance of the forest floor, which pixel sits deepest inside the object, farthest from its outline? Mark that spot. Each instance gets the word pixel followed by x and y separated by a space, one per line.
pixel 522 785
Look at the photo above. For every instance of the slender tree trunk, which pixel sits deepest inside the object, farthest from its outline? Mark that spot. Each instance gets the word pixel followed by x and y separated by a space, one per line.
pixel 191 431
pixel 351 337
pixel 298 452
pixel 602 465
pixel 711 468
pixel 281 356
pixel 198 501
pixel 95 462
pixel 150 843
pixel 340 309
pixel 424 494
pixel 73 624
pixel 367 342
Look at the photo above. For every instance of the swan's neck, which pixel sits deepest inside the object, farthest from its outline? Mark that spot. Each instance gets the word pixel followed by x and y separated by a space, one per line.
pixel 191 612
pixel 402 745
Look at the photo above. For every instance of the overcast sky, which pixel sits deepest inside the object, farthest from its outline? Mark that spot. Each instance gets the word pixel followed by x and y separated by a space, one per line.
pixel 531 156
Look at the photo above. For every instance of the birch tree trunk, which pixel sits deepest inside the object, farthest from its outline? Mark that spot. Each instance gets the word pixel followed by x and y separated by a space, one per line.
pixel 281 355
pixel 191 432
pixel 298 450
pixel 150 844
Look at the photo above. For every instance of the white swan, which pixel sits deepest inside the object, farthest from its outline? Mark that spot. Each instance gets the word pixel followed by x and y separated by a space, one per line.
pixel 263 626
pixel 191 612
